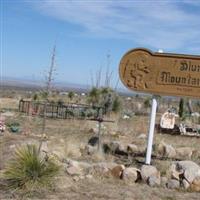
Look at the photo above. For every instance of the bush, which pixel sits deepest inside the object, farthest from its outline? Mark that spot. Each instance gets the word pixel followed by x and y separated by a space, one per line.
pixel 117 104
pixel 28 171
pixel 106 98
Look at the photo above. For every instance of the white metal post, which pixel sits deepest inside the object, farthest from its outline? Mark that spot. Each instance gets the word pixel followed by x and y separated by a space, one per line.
pixel 151 131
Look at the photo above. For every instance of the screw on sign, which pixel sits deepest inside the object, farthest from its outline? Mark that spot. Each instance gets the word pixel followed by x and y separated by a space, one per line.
pixel 160 73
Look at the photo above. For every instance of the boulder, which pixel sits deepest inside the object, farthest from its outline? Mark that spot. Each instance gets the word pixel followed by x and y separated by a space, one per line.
pixel 189 168
pixel 166 150
pixel 185 184
pixel 142 136
pixel 117 171
pixel 90 149
pixel 184 152
pixel 73 167
pixel 163 181
pixel 114 145
pixel 101 168
pixel 173 173
pixel 147 171
pixel 153 181
pixel 117 147
pixel 132 148
pixel 169 152
pixel 195 186
pixel 173 184
pixel 74 171
pixel 196 154
pixel 131 174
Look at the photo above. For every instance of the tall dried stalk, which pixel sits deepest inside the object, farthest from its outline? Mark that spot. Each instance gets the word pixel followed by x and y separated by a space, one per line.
pixel 49 79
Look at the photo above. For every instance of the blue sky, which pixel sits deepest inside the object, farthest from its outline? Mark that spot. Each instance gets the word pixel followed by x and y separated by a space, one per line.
pixel 87 31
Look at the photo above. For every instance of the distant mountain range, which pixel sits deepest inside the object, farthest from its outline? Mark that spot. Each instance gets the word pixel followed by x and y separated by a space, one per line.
pixel 32 83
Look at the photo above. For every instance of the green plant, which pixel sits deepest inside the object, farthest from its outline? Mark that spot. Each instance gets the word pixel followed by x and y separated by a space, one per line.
pixel 106 98
pixel 147 102
pixel 117 104
pixel 35 97
pixel 71 95
pixel 94 96
pixel 60 102
pixel 182 112
pixel 28 171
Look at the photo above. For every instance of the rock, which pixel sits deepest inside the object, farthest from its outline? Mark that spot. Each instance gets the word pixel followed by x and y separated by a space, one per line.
pixel 195 186
pixel 117 171
pixel 99 169
pixel 153 181
pixel 131 174
pixel 12 146
pixel 147 171
pixel 132 148
pixel 170 152
pixel 172 172
pixel 142 136
pixel 89 176
pixel 93 141
pixel 163 181
pixel 190 170
pixel 93 130
pixel 184 152
pixel 196 154
pixel 122 148
pixel 90 149
pixel 79 166
pixel 185 184
pixel 166 150
pixel 176 175
pixel 114 145
pixel 76 178
pixel 74 171
pixel 173 184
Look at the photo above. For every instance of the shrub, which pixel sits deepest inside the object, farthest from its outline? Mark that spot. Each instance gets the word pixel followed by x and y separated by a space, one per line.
pixel 71 95
pixel 28 171
pixel 106 98
pixel 60 102
pixel 117 104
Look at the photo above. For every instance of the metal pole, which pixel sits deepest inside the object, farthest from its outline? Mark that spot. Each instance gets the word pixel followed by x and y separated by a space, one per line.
pixel 151 131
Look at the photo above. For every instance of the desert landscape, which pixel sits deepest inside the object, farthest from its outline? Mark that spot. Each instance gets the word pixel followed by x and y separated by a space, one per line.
pixel 117 169
pixel 99 100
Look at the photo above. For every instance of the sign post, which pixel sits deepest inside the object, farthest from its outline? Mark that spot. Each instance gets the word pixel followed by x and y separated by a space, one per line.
pixel 160 73
pixel 151 131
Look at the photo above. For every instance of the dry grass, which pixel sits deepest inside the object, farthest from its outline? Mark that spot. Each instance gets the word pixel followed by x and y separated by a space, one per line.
pixel 70 136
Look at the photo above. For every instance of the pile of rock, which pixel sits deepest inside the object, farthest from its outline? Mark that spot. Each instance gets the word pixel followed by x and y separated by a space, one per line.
pixel 168 151
pixel 182 174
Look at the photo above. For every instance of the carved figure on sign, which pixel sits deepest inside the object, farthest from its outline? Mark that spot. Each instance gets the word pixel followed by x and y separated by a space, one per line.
pixel 139 72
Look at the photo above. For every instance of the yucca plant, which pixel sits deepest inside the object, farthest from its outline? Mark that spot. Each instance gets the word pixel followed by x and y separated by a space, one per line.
pixel 29 171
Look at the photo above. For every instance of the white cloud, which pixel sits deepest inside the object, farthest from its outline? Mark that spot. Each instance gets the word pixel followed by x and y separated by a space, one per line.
pixel 159 24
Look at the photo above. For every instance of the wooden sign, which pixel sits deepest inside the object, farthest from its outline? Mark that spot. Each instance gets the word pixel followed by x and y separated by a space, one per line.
pixel 161 73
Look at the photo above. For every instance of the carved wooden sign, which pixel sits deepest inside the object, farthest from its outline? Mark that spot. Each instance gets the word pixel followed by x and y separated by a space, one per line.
pixel 161 73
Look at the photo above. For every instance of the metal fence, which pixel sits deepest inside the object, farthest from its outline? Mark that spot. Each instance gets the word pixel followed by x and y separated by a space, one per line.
pixel 64 111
